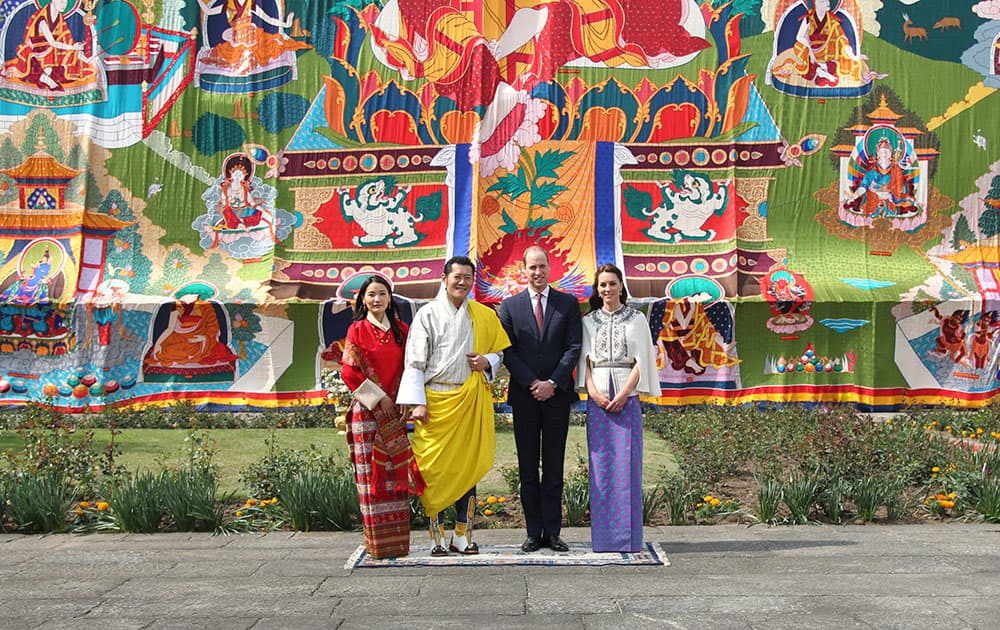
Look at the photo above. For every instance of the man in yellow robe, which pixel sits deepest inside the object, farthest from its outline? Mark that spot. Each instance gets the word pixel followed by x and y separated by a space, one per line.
pixel 452 353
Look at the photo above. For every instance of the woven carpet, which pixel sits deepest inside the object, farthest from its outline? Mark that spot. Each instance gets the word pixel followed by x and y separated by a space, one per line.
pixel 579 554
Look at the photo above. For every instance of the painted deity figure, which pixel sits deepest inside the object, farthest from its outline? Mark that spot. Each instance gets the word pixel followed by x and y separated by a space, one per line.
pixel 33 288
pixel 825 52
pixel 50 58
pixel 883 186
pixel 239 205
pixel 253 39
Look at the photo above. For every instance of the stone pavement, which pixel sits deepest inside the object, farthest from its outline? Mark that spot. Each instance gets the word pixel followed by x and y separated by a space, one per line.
pixel 723 576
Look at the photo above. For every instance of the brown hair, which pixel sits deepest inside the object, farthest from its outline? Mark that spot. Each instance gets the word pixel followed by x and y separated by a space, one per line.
pixel 595 299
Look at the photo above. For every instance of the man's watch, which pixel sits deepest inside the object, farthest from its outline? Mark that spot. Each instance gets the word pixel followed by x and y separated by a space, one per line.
pixel 554 386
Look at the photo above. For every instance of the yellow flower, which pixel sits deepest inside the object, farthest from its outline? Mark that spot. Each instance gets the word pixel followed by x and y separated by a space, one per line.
pixel 488 512
pixel 78 511
pixel 501 499
pixel 952 495
pixel 707 498
pixel 947 427
pixel 102 506
pixel 715 502
pixel 481 503
pixel 251 502
pixel 84 504
pixel 239 514
pixel 934 423
pixel 947 504
pixel 936 469
pixel 491 499
pixel 699 505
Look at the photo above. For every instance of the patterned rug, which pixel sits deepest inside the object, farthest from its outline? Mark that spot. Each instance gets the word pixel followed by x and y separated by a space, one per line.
pixel 579 554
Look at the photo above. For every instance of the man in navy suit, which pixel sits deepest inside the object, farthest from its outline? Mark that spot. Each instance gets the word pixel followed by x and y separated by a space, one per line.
pixel 545 332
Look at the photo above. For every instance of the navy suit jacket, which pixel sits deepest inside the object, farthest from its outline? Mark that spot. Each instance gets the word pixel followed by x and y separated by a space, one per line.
pixel 555 353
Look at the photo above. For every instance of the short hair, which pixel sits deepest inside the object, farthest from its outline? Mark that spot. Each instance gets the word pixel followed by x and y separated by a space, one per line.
pixel 459 260
pixel 524 254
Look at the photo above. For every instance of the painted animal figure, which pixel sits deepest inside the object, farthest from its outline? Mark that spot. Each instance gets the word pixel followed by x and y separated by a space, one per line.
pixel 913 32
pixel 948 22
pixel 979 139
pixel 688 203
pixel 380 214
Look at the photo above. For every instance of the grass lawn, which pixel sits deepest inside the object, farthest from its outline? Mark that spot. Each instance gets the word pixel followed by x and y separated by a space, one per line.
pixel 145 449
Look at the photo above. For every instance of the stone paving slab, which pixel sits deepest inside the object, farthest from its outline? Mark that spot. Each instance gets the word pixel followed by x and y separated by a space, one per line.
pixel 900 576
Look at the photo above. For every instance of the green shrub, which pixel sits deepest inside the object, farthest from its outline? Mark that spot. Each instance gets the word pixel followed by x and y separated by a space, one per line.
pixel 39 504
pixel 798 494
pixel 869 494
pixel 315 499
pixel 677 495
pixel 260 478
pixel 831 499
pixel 653 500
pixel 190 500
pixel 137 502
pixel 512 477
pixel 576 493
pixel 768 498
pixel 984 497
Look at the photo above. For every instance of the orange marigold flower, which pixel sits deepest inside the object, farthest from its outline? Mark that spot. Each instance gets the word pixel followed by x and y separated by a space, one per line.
pixel 251 502
pixel 84 504
pixel 488 512
pixel 481 503
pixel 491 499
pixel 239 513
pixel 501 499
pixel 952 495
pixel 78 511
pixel 715 502
pixel 936 469
pixel 102 506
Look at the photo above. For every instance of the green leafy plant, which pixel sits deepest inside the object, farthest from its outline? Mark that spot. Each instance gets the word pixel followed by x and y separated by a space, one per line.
pixel 869 494
pixel 190 500
pixel 315 499
pixel 984 497
pixel 677 495
pixel 512 477
pixel 576 493
pixel 137 504
pixel 39 504
pixel 653 500
pixel 768 498
pixel 798 494
pixel 831 499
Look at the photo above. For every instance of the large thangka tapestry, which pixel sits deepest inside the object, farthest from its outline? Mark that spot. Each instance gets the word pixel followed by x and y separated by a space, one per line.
pixel 804 195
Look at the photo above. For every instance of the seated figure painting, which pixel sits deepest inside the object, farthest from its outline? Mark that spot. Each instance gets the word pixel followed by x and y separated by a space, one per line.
pixel 50 51
pixel 245 48
pixel 817 52
pixel 883 182
pixel 190 340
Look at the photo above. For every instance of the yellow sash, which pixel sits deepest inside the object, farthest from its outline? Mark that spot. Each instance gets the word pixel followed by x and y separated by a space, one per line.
pixel 455 448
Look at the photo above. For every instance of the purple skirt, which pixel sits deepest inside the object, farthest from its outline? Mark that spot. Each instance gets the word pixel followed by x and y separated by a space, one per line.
pixel 614 441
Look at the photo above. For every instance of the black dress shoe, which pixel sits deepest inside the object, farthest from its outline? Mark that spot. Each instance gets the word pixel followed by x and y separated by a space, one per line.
pixel 556 544
pixel 530 544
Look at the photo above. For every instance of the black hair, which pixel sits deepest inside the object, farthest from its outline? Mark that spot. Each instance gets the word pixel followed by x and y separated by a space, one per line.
pixel 459 260
pixel 361 311
pixel 595 299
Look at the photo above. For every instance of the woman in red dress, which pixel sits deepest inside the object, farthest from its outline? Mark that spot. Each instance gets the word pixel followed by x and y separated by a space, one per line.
pixel 371 367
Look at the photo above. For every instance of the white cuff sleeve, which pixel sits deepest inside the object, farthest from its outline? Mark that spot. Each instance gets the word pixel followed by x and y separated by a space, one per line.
pixel 369 394
pixel 494 358
pixel 411 388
